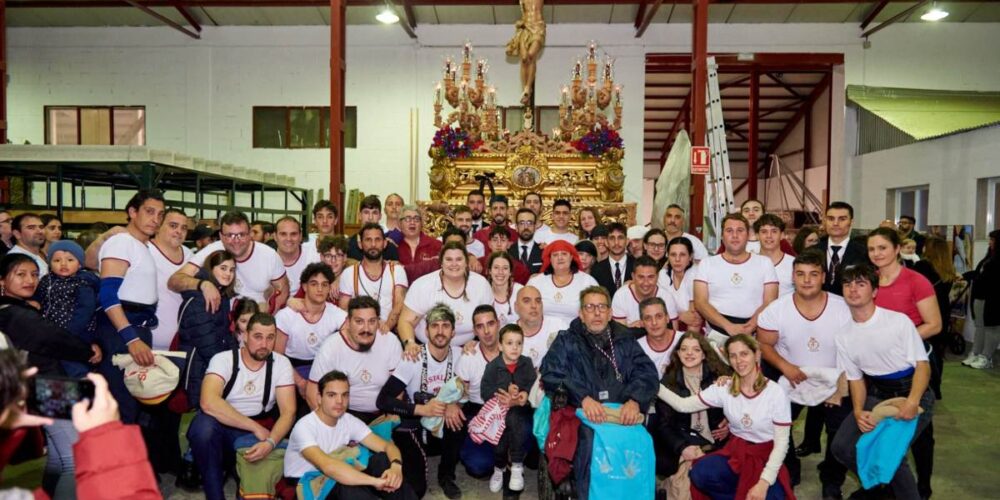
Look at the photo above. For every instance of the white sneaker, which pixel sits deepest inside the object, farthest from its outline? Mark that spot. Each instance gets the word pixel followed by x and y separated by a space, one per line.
pixel 982 363
pixel 496 480
pixel 516 477
pixel 971 359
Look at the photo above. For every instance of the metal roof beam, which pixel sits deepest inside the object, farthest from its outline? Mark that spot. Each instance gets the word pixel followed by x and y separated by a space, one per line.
pixel 892 20
pixel 650 12
pixel 190 18
pixel 873 13
pixel 164 19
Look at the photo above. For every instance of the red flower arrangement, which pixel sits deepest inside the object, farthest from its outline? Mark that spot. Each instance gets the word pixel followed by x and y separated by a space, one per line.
pixel 597 142
pixel 453 143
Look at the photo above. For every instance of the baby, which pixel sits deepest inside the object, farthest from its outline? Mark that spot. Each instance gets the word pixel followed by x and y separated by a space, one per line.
pixel 68 296
pixel 508 378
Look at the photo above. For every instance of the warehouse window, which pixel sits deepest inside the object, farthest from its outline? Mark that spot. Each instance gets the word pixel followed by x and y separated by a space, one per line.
pixel 910 201
pixel 96 125
pixel 303 127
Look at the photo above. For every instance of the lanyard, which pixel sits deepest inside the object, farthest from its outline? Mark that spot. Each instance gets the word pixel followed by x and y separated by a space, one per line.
pixel 611 356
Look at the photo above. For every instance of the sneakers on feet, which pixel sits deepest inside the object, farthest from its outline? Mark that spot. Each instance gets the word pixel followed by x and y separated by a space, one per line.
pixel 496 480
pixel 450 489
pixel 971 359
pixel 981 363
pixel 516 477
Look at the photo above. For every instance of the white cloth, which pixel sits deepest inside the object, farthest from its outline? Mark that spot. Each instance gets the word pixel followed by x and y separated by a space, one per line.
pixel 427 291
pixel 803 341
pixel 886 343
pixel 367 371
pixel 310 431
pixel 409 372
pixel 625 304
pixel 752 419
pixel 700 252
pixel 470 369
pixel 139 283
pixel 248 391
pixel 537 345
pixel 660 358
pixel 488 425
pixel 506 314
pixel 43 267
pixel 305 337
pixel 736 289
pixel 820 384
pixel 545 235
pixel 308 254
pixel 753 247
pixel 254 274
pixel 475 247
pixel 168 303
pixel 381 287
pixel 684 293
pixel 783 269
pixel 561 302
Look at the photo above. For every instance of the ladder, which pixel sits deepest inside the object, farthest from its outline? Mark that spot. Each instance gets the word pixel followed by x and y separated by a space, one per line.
pixel 810 203
pixel 719 183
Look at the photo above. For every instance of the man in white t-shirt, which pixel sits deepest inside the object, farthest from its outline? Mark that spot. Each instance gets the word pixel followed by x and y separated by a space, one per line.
pixel 325 215
pixel 463 221
pixel 238 398
pixel 625 304
pixel 539 330
pixel 330 428
pixel 560 230
pixel 883 357
pixel 169 255
pixel 770 230
pixel 673 226
pixel 798 331
pixel 29 234
pixel 367 355
pixel 259 269
pixel 295 255
pixel 661 337
pixel 410 393
pixel 375 277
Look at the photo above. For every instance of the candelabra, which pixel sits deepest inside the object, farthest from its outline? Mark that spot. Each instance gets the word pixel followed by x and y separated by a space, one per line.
pixel 473 101
pixel 584 102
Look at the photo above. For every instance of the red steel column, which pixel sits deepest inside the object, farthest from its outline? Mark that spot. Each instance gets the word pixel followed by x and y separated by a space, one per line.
pixel 699 79
pixel 753 138
pixel 338 63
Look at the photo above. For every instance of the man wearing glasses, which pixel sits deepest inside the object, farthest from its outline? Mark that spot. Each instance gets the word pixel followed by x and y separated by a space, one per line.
pixel 526 250
pixel 598 361
pixel 6 233
pixel 416 246
pixel 258 267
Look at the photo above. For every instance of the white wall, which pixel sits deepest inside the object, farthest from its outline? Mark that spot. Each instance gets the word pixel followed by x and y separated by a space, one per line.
pixel 199 93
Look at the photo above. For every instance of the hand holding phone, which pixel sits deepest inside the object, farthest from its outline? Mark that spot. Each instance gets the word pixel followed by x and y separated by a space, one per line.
pixel 54 397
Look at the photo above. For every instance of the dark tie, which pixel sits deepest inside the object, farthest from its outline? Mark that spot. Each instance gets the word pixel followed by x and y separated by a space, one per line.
pixel 618 275
pixel 834 262
pixel 524 254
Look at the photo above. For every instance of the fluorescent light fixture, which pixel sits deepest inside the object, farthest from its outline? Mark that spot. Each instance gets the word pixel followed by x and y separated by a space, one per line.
pixel 387 16
pixel 934 14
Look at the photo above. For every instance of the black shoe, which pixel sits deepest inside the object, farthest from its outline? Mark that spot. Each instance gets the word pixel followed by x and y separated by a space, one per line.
pixel 805 451
pixel 832 493
pixel 189 479
pixel 450 489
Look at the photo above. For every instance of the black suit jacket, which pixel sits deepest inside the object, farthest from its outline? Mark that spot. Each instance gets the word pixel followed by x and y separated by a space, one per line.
pixel 534 262
pixel 605 275
pixel 855 253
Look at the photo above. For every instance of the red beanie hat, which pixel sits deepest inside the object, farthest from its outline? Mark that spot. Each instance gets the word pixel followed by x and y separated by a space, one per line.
pixel 559 246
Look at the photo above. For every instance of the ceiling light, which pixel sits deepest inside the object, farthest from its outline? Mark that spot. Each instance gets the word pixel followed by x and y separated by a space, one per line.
pixel 387 16
pixel 934 14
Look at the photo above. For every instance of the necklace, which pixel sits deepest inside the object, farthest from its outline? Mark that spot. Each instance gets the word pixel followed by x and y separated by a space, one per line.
pixel 381 280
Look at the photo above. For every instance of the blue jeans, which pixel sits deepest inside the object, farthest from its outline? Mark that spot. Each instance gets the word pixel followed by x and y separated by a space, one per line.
pixel 713 476
pixel 59 480
pixel 212 446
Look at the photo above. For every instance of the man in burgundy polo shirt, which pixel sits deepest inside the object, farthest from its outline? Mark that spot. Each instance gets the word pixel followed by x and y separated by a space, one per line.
pixel 498 217
pixel 416 246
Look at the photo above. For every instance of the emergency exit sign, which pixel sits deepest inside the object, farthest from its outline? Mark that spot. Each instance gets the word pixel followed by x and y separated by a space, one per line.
pixel 700 158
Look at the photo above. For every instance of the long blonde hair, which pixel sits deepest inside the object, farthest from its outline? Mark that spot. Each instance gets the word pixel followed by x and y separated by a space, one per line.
pixel 936 252
pixel 758 385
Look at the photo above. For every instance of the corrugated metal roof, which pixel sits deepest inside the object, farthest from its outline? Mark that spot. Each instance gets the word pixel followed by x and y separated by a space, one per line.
pixel 925 114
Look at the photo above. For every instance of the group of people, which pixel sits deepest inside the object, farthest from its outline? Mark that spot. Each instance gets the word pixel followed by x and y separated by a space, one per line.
pixel 296 348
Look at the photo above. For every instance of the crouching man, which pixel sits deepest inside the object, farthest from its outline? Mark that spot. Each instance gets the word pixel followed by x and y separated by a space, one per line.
pixel 321 440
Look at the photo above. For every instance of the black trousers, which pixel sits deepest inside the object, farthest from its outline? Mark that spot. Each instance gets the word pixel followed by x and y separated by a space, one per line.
pixel 161 431
pixel 831 472
pixel 378 463
pixel 511 444
pixel 415 449
pixel 814 427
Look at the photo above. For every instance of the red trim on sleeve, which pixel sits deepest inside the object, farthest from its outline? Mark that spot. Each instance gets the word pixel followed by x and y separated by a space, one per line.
pixel 703 401
pixel 782 424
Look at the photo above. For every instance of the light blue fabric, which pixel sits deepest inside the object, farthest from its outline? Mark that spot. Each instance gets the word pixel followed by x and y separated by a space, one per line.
pixel 541 427
pixel 384 429
pixel 248 440
pixel 363 455
pixel 450 392
pixel 623 460
pixel 882 450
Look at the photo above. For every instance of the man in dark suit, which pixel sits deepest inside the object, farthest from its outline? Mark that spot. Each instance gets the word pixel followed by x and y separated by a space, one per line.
pixel 525 249
pixel 838 246
pixel 613 272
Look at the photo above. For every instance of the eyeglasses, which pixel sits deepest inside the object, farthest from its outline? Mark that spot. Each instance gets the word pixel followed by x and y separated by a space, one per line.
pixel 656 245
pixel 526 223
pixel 410 218
pixel 235 236
pixel 592 308
pixel 332 256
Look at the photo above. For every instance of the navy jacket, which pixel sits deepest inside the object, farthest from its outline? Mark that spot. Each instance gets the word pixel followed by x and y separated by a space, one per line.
pixel 202 335
pixel 71 302
pixel 497 376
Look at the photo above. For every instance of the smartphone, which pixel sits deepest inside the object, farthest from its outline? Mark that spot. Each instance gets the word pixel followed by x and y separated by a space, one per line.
pixel 54 397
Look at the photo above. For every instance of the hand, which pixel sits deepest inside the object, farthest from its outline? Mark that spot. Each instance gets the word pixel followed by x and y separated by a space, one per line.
pixel 692 453
pixel 432 408
pixel 692 319
pixel 96 358
pixel 300 383
pixel 412 351
pixel 723 380
pixel 474 264
pixel 793 374
pixel 212 297
pixel 865 422
pixel 453 417
pixel 470 347
pixel 593 410
pixel 141 353
pixel 630 414
pixel 261 433
pixel 759 490
pixel 732 328
pixel 296 304
pixel 393 477
pixel 908 410
pixel 722 432
pixel 504 398
pixel 14 415
pixel 103 410
pixel 258 451
pixel 384 328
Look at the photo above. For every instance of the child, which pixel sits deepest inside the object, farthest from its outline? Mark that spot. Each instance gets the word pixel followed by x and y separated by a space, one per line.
pixel 509 377
pixel 908 251
pixel 242 310
pixel 68 296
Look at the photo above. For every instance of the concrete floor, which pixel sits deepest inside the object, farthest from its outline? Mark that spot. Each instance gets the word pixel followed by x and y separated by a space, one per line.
pixel 967 451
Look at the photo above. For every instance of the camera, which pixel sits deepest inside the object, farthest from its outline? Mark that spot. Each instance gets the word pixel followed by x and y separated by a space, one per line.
pixel 422 397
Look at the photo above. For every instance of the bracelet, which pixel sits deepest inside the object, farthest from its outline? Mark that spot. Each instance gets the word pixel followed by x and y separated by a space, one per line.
pixel 396 461
pixel 271 441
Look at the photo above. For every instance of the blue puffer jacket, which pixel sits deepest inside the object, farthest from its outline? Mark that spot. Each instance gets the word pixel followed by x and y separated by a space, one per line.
pixel 202 335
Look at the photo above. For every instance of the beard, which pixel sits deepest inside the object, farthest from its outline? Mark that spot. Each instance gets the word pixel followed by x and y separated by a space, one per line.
pixel 260 354
pixel 363 347
pixel 373 254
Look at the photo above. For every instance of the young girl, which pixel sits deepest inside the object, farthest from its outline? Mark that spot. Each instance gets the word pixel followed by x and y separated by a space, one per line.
pixel 499 268
pixel 508 378
pixel 243 308
pixel 68 296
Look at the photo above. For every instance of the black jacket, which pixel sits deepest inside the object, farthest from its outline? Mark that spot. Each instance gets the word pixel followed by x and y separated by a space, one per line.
pixel 497 376
pixel 673 429
pixel 45 342
pixel 534 262
pixel 986 286
pixel 575 363
pixel 202 335
pixel 605 275
pixel 855 253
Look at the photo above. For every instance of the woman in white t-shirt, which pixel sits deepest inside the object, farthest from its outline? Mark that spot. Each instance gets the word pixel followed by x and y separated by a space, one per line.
pixel 561 281
pixel 677 278
pixel 498 273
pixel 759 416
pixel 454 286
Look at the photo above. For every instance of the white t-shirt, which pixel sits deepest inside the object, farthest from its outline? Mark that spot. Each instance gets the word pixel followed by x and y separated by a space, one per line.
pixel 660 358
pixel 699 251
pixel 409 372
pixel 475 247
pixel 783 269
pixel 753 246
pixel 253 274
pixel 139 285
pixel 537 345
pixel 752 419
pixel 248 391
pixel 470 369
pixel 168 303
pixel 545 235
pixel 803 341
pixel 310 431
pixel 684 294
pixel 367 371
pixel 427 291
pixel 380 288
pixel 561 302
pixel 305 338
pixel 43 267
pixel 506 314
pixel 736 289
pixel 625 305
pixel 886 343
pixel 307 255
